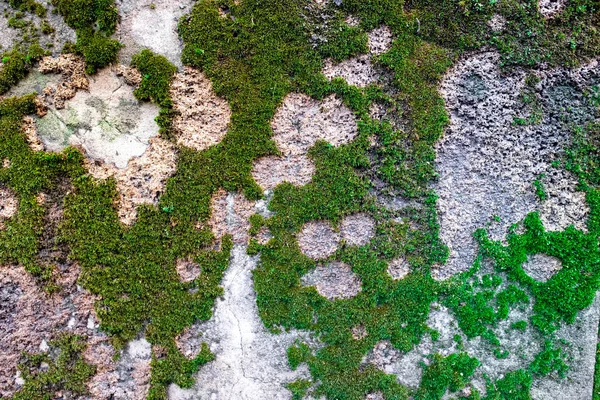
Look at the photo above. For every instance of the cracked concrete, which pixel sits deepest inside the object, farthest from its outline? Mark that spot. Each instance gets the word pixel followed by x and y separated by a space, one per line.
pixel 251 363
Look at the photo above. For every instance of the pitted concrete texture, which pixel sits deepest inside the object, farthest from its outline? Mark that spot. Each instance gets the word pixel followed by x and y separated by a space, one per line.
pixel 151 24
pixel 549 8
pixel 251 363
pixel 297 125
pixel 357 229
pixel 335 280
pixel 487 164
pixel 318 239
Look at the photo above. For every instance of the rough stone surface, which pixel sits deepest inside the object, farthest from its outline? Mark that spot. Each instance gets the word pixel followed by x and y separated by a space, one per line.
pixel 357 229
pixel 202 117
pixel 318 240
pixel 380 40
pixel 9 205
pixel 333 281
pixel 229 215
pixel 398 268
pixel 297 125
pixel 251 363
pixel 72 71
pixel 144 178
pixel 549 8
pixel 187 270
pixel 487 164
pixel 151 24
pixel 541 267
pixel 357 71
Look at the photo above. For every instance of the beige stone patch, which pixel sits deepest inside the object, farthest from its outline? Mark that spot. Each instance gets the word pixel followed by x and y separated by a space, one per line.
pixel 9 204
pixel 270 171
pixel 187 270
pixel 202 117
pixel 542 267
pixel 72 70
pixel 357 71
pixel 131 75
pixel 357 229
pixel 359 332
pixel 189 341
pixel 352 20
pixel 297 125
pixel 302 120
pixel 143 180
pixel 230 213
pixel 497 23
pixel 336 280
pixel 31 135
pixel 318 240
pixel 6 163
pixel 375 396
pixel 398 268
pixel 380 40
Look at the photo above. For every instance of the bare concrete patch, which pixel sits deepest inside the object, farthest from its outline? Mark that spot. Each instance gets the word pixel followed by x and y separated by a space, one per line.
pixel 380 40
pixel 487 164
pixel 352 20
pixel 251 363
pixel 318 240
pixel 143 180
pixel 541 267
pixel 357 229
pixel 151 24
pixel 108 122
pixel 202 117
pixel 73 78
pixel 497 23
pixel 359 332
pixel 30 319
pixel 300 121
pixel 375 396
pixel 230 213
pixel 357 71
pixel 31 134
pixel 297 125
pixel 549 8
pixel 187 270
pixel 398 268
pixel 334 281
pixel 382 356
pixel 9 204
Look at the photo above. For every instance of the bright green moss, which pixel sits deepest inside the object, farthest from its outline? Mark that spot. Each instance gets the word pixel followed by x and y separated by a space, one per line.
pixel 514 386
pixel 16 65
pixel 299 388
pixel 450 373
pixel 67 371
pixel 550 360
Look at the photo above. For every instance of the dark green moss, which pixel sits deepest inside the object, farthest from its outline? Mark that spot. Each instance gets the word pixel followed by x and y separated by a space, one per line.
pixel 157 75
pixel 67 371
pixel 94 22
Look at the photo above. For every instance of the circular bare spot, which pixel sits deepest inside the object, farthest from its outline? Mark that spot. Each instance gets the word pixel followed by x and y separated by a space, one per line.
pixel 398 268
pixel 187 270
pixel 542 267
pixel 357 229
pixel 357 71
pixel 8 204
pixel 318 240
pixel 334 281
pixel 380 40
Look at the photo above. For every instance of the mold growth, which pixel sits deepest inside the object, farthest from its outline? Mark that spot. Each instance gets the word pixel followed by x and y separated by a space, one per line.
pixel 488 160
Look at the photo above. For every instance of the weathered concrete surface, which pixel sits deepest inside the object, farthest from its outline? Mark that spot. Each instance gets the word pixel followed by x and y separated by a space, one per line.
pixel 487 164
pixel 251 363
pixel 151 24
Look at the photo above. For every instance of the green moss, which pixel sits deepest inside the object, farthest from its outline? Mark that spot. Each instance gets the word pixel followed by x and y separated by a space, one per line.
pixel 157 74
pixel 94 22
pixel 450 373
pixel 29 6
pixel 67 372
pixel 514 386
pixel 550 360
pixel 299 388
pixel 16 65
pixel 540 191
